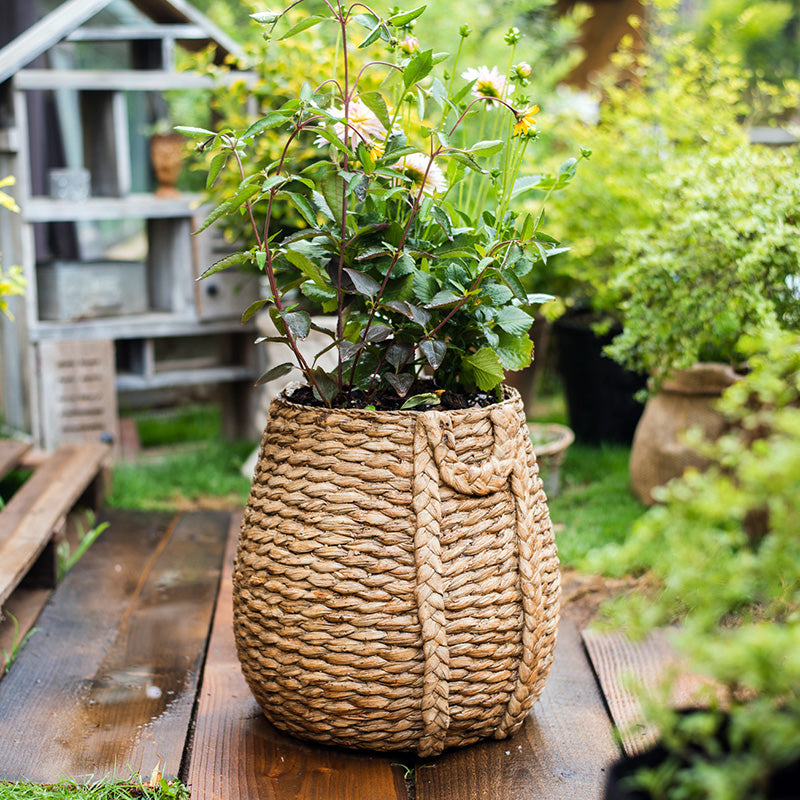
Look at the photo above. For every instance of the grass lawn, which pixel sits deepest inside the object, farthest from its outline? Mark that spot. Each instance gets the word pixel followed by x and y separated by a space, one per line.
pixel 100 790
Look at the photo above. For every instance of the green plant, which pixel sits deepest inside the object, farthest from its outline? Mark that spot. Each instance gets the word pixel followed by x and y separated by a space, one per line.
pixel 9 657
pixel 724 554
pixel 87 535
pixel 12 281
pixel 678 99
pixel 109 789
pixel 721 255
pixel 411 239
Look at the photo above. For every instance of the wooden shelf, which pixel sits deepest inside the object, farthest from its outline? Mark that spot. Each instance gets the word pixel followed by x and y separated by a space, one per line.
pixel 127 382
pixel 144 206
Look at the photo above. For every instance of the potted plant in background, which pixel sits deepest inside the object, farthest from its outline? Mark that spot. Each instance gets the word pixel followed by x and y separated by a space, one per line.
pixel 721 257
pixel 396 581
pixel 671 100
pixel 734 588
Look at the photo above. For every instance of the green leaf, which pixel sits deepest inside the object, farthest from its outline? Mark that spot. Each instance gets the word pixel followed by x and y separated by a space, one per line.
pixel 514 352
pixel 363 283
pixel 376 103
pixel 275 373
pixel 220 211
pixel 487 147
pixel 333 190
pixel 297 322
pixel 304 25
pixel 376 33
pixel 196 133
pixel 428 399
pixel 322 204
pixel 400 383
pixel 434 351
pixel 526 183
pixel 223 263
pixel 271 120
pixel 217 163
pixel 303 206
pixel 497 293
pixel 443 298
pixel 440 215
pixel 486 368
pixel 327 388
pixel 419 66
pixel 425 286
pixel 514 320
pixel 404 17
pixel 307 267
pixel 252 310
pixel 378 333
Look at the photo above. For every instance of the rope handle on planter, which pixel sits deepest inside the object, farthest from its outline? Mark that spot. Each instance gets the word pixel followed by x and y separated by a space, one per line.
pixel 435 461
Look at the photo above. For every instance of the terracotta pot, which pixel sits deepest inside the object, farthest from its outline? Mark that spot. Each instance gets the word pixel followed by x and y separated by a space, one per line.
pixel 685 401
pixel 166 155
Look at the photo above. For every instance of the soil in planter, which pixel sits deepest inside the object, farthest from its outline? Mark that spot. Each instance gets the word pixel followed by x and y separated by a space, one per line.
pixel 387 399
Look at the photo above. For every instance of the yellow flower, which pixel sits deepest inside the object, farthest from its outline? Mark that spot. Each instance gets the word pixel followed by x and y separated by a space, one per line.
pixel 525 123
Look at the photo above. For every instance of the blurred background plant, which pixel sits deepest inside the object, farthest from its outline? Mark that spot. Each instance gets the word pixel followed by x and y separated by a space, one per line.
pixel 724 555
pixel 12 281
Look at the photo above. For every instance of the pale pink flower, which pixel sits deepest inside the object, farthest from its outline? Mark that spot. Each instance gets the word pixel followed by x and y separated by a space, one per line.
pixel 361 123
pixel 489 83
pixel 416 168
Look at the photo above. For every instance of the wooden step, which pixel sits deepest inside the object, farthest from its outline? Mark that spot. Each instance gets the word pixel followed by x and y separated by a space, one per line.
pixel 107 684
pixel 11 454
pixel 238 755
pixel 37 511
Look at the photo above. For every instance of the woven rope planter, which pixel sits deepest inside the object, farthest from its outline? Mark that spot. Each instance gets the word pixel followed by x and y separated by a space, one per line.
pixel 396 585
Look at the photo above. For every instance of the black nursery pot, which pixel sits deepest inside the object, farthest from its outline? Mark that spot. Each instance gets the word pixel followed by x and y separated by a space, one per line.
pixel 784 783
pixel 599 392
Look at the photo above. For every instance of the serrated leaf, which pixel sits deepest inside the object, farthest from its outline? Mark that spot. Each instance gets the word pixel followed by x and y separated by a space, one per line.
pixel 275 373
pixel 440 215
pixel 364 284
pixel 486 368
pixel 220 211
pixel 443 298
pixel 400 383
pixel 223 263
pixel 427 399
pixel 514 320
pixel 376 103
pixel 322 204
pixel 425 286
pixel 514 352
pixel 497 293
pixel 434 351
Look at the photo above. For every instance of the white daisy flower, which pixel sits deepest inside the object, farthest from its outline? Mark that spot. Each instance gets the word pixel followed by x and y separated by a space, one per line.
pixel 362 122
pixel 415 167
pixel 489 83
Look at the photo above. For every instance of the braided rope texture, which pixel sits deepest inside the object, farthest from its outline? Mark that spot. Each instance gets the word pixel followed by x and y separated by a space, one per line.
pixel 396 583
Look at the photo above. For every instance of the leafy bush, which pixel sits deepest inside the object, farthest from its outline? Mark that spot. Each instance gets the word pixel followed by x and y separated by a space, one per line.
pixel 721 255
pixel 677 100
pixel 724 551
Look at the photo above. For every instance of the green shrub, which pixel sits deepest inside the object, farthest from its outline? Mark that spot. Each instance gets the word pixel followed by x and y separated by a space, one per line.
pixel 724 552
pixel 721 255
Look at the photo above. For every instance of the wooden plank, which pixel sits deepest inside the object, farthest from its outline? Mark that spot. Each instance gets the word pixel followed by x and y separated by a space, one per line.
pixel 561 753
pixel 238 755
pixel 144 80
pixel 107 685
pixel 11 454
pixel 148 206
pixel 624 668
pixel 24 606
pixel 37 509
pixel 128 33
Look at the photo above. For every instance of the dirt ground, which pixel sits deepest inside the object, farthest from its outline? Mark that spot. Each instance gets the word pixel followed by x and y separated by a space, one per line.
pixel 582 594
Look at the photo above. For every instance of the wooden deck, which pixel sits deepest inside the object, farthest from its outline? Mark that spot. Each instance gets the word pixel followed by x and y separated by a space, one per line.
pixel 133 666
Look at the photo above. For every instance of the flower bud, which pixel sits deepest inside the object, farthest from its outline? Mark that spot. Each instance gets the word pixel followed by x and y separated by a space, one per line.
pixel 410 44
pixel 465 31
pixel 523 70
pixel 513 36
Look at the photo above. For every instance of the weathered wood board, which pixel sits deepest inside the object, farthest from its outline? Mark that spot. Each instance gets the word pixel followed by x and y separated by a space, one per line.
pixel 107 684
pixel 238 755
pixel 561 753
